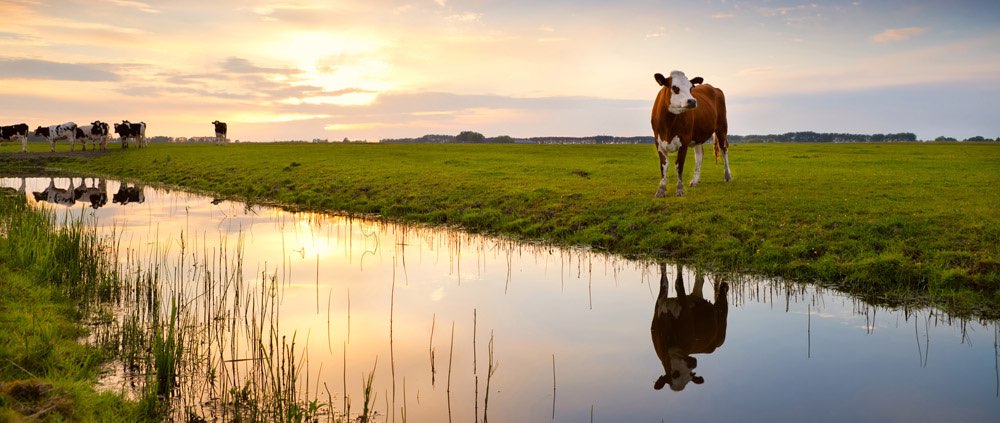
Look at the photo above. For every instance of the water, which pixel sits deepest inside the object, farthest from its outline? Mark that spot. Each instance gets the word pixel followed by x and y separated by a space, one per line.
pixel 571 329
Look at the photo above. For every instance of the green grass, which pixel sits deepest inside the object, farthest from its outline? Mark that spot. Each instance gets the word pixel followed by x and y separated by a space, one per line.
pixel 45 373
pixel 888 222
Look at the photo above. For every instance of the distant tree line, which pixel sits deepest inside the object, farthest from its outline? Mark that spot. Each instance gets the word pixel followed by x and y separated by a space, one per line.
pixel 470 137
pixel 810 136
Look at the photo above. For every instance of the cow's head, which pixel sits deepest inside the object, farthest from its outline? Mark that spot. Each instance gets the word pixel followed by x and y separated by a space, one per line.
pixel 681 373
pixel 39 130
pixel 679 90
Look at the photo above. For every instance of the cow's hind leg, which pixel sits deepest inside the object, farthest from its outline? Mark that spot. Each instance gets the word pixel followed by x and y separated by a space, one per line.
pixel 698 154
pixel 722 143
pixel 725 160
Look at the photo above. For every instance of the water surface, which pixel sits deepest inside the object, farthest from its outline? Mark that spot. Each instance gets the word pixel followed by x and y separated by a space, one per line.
pixel 576 335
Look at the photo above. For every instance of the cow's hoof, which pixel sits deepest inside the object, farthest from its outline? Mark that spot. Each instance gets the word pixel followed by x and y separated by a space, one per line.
pixel 680 193
pixel 695 183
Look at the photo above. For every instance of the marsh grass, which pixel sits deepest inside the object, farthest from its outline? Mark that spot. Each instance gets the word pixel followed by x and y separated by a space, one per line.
pixel 198 342
pixel 889 222
pixel 45 373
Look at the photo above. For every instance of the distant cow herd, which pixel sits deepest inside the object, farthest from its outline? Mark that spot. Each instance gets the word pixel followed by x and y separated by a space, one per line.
pixel 97 133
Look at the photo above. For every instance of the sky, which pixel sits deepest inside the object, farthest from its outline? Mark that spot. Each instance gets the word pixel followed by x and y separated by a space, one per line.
pixel 374 69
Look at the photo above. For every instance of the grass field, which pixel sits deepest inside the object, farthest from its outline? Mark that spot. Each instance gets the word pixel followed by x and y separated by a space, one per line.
pixel 888 222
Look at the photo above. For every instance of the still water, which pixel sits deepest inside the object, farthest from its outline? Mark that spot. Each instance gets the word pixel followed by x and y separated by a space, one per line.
pixel 576 335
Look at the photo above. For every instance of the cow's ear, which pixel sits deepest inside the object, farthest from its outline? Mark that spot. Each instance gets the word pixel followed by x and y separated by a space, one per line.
pixel 660 79
pixel 697 80
pixel 660 382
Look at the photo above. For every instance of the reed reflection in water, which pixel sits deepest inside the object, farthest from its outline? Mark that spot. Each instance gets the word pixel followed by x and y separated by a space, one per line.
pixel 417 309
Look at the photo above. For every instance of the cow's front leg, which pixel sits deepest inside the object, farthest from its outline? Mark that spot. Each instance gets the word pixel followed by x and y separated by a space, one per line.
pixel 698 154
pixel 664 163
pixel 24 144
pixel 681 154
pixel 52 146
pixel 662 148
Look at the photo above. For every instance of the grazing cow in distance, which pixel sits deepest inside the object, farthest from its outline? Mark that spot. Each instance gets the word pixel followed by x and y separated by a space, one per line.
pixel 96 132
pixel 13 132
pixel 56 132
pixel 128 130
pixel 220 132
pixel 685 325
pixel 688 113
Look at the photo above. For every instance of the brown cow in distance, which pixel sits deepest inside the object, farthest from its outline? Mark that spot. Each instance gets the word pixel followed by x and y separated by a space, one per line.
pixel 685 325
pixel 688 113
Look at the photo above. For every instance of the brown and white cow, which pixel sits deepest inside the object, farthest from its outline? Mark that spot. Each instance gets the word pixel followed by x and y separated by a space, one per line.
pixel 688 113
pixel 685 325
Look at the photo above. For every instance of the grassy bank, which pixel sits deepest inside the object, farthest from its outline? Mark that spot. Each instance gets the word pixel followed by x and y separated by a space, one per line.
pixel 889 222
pixel 45 373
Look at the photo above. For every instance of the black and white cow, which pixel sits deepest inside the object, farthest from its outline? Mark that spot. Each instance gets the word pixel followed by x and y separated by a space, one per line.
pixel 13 132
pixel 123 130
pixel 96 132
pixel 220 132
pixel 128 130
pixel 58 132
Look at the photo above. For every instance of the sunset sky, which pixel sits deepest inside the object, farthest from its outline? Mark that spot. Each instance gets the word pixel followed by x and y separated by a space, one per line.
pixel 371 69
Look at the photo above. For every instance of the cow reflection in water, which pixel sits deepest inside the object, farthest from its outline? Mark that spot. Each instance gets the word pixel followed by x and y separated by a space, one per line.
pixel 96 195
pixel 129 194
pixel 61 196
pixel 685 325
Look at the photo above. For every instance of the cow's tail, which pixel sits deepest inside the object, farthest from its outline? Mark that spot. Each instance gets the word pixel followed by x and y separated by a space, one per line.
pixel 717 149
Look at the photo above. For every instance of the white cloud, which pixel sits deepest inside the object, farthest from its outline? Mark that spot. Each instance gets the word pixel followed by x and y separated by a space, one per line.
pixel 138 5
pixel 466 17
pixel 756 71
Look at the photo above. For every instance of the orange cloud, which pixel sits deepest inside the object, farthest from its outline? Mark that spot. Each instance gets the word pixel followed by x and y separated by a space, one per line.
pixel 897 34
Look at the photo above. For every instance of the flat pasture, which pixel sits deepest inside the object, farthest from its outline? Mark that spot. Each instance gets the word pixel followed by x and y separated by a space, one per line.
pixel 890 222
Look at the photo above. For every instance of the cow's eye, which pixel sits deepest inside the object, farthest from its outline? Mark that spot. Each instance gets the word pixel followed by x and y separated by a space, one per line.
pixel 677 90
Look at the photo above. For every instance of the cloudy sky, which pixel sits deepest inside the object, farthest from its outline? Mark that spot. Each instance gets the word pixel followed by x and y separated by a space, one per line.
pixel 371 69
